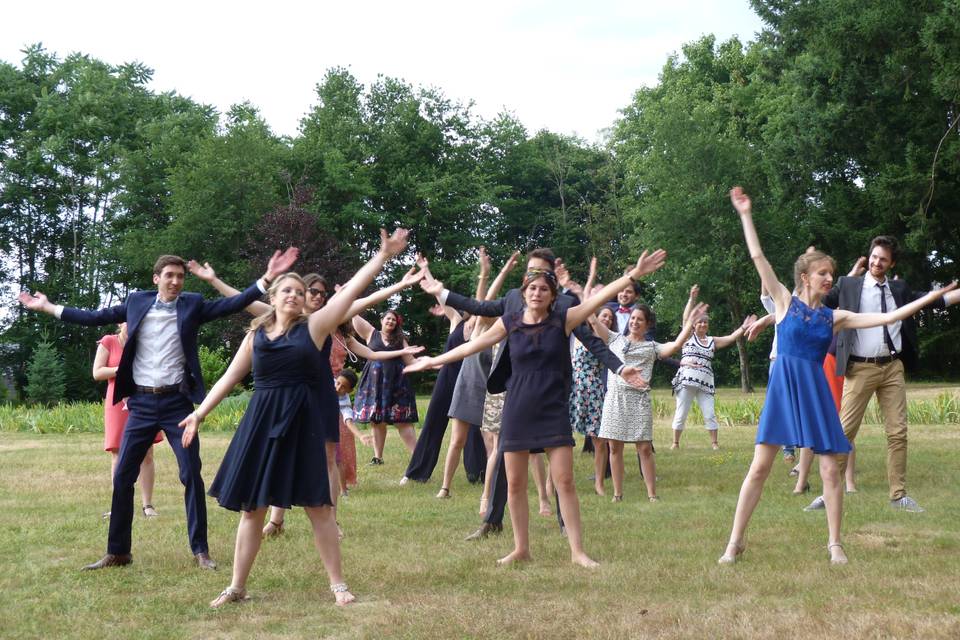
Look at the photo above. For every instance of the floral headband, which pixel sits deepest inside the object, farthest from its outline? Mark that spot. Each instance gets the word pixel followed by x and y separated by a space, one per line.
pixel 533 274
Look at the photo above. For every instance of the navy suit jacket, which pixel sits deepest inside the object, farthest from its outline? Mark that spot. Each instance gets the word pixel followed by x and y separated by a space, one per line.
pixel 192 311
pixel 846 295
pixel 513 303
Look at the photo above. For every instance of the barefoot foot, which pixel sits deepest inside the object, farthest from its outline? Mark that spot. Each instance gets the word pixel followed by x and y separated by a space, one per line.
pixel 514 556
pixel 584 560
pixel 545 510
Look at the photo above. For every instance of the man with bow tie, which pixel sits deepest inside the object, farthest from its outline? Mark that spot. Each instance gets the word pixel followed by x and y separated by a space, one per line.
pixel 159 374
pixel 624 306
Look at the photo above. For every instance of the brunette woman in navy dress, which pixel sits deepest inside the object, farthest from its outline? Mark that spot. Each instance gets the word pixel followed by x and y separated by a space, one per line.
pixel 799 408
pixel 536 413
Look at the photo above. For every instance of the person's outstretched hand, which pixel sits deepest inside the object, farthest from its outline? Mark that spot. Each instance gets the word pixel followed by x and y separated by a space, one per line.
pixel 205 272
pixel 741 201
pixel 281 262
pixel 394 243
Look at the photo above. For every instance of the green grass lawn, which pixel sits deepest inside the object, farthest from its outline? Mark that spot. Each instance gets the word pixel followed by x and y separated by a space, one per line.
pixel 405 558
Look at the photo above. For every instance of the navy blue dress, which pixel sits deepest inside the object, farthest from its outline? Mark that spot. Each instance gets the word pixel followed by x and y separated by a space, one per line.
pixel 385 394
pixel 277 456
pixel 799 408
pixel 536 411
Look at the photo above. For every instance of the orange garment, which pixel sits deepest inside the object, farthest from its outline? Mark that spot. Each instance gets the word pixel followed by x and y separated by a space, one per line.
pixel 115 415
pixel 347 447
pixel 834 381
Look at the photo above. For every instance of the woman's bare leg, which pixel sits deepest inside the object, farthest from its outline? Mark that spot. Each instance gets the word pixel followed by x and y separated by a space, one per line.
pixel 803 470
pixel 379 438
pixel 539 479
pixel 616 468
pixel 833 502
pixel 516 466
pixel 407 435
pixel 648 465
pixel 750 490
pixel 561 468
pixel 274 526
pixel 146 480
pixel 491 464
pixel 849 476
pixel 328 545
pixel 600 454
pixel 458 439
pixel 247 546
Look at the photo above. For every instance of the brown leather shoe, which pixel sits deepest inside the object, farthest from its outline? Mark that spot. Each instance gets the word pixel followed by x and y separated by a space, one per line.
pixel 110 560
pixel 204 561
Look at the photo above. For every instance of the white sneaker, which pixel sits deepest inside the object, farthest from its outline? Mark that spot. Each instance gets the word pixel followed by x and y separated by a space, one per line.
pixel 908 504
pixel 816 505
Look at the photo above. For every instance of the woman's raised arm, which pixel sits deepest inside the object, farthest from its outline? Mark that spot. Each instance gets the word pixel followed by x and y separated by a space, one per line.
pixel 646 265
pixel 779 293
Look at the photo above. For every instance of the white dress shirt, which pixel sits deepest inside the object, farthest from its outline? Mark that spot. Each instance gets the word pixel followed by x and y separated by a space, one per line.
pixel 159 361
pixel 869 343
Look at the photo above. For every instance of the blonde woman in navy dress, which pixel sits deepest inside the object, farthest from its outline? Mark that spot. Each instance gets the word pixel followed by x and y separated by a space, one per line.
pixel 278 453
pixel 799 408
pixel 536 412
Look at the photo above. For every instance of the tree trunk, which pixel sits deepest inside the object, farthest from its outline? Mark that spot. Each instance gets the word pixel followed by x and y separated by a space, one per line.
pixel 737 312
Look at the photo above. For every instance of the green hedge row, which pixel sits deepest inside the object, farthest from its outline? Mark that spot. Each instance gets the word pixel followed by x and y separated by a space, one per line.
pixel 86 417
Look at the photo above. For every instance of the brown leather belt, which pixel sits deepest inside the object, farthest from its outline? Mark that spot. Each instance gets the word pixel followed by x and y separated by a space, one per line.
pixel 878 360
pixel 170 388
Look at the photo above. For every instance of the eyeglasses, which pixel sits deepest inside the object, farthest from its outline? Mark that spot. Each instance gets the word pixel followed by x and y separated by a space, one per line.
pixel 317 292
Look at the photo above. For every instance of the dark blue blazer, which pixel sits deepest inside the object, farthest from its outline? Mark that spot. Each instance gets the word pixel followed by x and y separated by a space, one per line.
pixel 192 311
pixel 513 303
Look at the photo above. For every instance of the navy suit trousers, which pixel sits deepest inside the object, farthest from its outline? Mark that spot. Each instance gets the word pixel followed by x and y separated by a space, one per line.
pixel 148 415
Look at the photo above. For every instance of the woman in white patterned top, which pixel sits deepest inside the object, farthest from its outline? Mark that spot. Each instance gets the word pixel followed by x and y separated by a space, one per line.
pixel 628 412
pixel 694 378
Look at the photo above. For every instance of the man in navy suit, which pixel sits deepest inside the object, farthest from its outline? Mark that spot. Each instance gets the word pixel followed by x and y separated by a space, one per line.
pixel 159 374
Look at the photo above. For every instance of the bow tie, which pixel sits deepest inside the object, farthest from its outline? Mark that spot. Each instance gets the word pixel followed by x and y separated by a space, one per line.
pixel 165 306
pixel 624 309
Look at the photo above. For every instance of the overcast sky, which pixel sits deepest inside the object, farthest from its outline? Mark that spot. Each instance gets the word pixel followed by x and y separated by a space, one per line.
pixel 564 66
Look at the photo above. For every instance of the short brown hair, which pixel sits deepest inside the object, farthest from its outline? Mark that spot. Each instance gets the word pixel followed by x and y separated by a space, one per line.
pixel 166 261
pixel 544 253
pixel 889 243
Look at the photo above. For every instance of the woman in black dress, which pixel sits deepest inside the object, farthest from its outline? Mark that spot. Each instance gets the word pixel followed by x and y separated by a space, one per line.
pixel 536 414
pixel 277 455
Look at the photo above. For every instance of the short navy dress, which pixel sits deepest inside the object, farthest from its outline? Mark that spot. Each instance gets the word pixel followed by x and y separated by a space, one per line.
pixel 277 456
pixel 799 408
pixel 536 410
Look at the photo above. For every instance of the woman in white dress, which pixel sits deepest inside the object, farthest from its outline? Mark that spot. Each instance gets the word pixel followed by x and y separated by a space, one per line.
pixel 628 412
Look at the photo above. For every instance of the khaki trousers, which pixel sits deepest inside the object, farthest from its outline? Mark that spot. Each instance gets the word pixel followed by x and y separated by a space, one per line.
pixel 887 381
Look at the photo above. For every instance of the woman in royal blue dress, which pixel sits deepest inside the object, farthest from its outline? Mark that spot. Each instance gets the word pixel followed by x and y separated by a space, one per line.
pixel 799 408
pixel 278 454
pixel 536 411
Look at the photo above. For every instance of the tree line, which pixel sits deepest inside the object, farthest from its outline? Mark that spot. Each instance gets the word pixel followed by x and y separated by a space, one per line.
pixel 840 118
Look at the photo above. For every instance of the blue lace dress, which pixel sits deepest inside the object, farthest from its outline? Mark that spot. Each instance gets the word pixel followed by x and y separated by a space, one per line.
pixel 799 408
